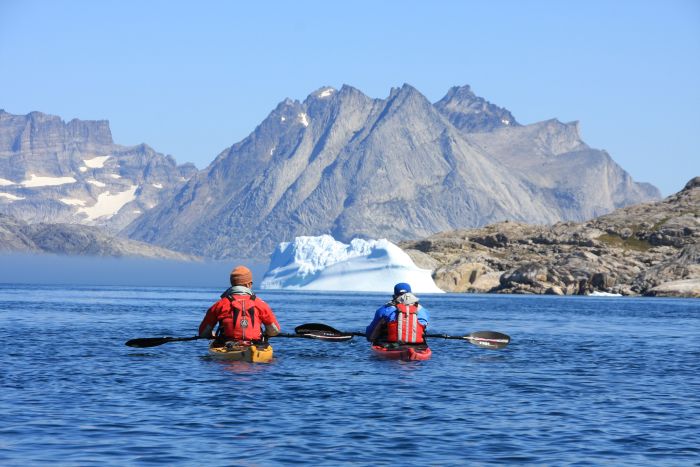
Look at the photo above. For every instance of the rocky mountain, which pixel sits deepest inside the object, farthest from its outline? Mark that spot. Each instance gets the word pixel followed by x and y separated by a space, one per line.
pixel 53 171
pixel 398 168
pixel 73 239
pixel 471 113
pixel 650 248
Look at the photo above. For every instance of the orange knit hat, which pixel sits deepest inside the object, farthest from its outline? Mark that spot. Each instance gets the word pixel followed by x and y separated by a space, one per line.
pixel 241 275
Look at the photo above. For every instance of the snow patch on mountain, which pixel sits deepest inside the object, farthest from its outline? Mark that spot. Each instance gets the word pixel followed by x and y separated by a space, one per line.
pixel 322 263
pixel 303 118
pixel 96 162
pixel 35 181
pixel 108 204
pixel 10 197
pixel 72 201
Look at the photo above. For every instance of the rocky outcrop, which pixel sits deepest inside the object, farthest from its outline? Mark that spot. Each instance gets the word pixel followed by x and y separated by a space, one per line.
pixel 72 239
pixel 397 168
pixel 651 249
pixel 53 171
pixel 684 288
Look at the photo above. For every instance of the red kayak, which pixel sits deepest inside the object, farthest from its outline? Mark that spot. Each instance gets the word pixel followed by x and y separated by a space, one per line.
pixel 402 351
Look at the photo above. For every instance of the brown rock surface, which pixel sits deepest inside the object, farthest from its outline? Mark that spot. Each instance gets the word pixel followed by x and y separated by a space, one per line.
pixel 641 249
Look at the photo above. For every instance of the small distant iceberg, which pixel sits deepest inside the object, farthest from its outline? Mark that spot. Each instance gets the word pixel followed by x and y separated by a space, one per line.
pixel 322 263
pixel 597 293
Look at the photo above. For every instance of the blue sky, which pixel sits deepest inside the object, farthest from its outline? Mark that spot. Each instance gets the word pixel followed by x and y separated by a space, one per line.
pixel 192 78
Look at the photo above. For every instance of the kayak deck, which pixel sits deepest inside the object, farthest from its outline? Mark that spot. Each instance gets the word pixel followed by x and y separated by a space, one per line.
pixel 243 353
pixel 402 351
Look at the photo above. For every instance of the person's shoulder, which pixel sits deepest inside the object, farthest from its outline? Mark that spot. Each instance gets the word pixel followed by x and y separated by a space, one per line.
pixel 220 302
pixel 259 300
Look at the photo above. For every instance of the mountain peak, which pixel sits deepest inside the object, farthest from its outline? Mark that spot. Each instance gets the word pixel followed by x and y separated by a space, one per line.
pixel 346 88
pixel 693 183
pixel 322 93
pixel 405 90
pixel 472 113
pixel 460 92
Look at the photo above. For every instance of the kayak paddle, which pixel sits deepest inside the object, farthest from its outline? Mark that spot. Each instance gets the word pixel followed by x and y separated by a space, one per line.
pixel 320 329
pixel 156 341
pixel 485 339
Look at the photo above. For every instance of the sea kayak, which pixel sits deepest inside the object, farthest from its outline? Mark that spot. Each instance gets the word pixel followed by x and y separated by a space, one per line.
pixel 261 353
pixel 402 351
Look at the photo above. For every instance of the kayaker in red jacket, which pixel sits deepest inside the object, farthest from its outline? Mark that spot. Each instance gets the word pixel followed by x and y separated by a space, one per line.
pixel 402 320
pixel 239 313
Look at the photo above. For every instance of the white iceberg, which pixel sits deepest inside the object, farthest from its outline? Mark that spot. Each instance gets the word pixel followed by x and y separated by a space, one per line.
pixel 597 293
pixel 322 263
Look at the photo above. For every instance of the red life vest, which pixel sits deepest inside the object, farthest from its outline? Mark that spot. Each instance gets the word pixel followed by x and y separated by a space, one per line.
pixel 406 327
pixel 240 321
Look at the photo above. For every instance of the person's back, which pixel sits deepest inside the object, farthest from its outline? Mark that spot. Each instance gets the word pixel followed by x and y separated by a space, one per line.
pixel 402 320
pixel 239 313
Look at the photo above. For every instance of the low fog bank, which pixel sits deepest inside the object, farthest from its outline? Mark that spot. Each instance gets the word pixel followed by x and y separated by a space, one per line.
pixel 80 270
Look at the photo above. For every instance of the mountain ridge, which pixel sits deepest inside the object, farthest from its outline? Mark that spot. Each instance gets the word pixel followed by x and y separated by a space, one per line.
pixel 17 236
pixel 343 163
pixel 57 171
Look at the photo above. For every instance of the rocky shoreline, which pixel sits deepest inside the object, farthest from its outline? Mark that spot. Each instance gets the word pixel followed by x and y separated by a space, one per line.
pixel 648 249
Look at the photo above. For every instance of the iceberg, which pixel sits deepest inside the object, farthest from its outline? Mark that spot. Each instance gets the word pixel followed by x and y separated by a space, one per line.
pixel 322 263
pixel 597 293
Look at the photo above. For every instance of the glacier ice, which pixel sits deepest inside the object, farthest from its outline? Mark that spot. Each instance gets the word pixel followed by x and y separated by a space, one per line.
pixel 322 263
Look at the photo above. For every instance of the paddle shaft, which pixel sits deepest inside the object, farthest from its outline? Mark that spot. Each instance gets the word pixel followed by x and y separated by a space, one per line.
pixel 156 341
pixel 459 338
pixel 488 343
pixel 485 339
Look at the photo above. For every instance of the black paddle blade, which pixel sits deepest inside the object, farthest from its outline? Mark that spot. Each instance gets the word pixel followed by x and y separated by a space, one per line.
pixel 322 332
pixel 315 327
pixel 147 342
pixel 323 336
pixel 488 339
pixel 142 342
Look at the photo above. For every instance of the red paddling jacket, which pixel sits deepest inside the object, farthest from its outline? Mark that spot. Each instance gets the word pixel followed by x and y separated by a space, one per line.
pixel 240 316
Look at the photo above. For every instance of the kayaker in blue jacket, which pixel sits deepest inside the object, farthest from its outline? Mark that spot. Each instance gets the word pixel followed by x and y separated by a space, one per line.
pixel 401 320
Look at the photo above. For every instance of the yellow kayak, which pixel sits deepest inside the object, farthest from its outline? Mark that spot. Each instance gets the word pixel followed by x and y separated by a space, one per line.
pixel 244 353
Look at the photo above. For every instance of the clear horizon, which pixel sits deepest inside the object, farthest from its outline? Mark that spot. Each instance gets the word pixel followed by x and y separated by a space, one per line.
pixel 190 80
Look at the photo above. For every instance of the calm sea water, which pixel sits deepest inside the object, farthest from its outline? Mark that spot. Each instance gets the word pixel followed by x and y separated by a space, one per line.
pixel 586 381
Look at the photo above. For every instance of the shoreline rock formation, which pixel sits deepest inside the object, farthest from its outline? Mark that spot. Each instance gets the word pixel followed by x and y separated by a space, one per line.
pixel 646 249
